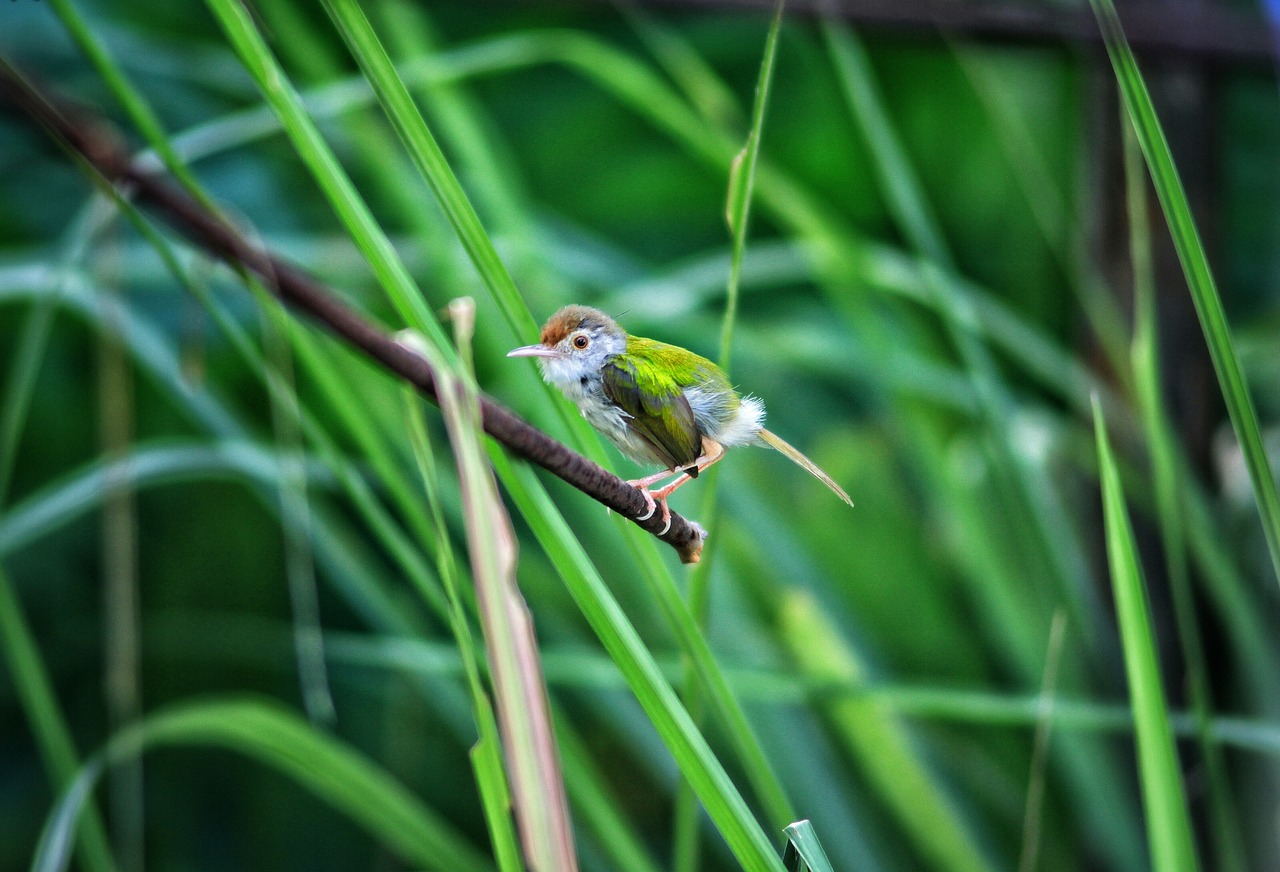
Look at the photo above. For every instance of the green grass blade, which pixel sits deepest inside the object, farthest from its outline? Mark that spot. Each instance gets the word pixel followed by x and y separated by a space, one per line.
pixel 602 809
pixel 147 465
pixel 495 795
pixel 311 148
pixel 49 728
pixel 134 104
pixel 1168 822
pixel 331 770
pixel 34 339
pixel 296 515
pixel 429 159
pixel 20 384
pixel 904 196
pixel 907 201
pixel 742 179
pixel 488 164
pixel 742 174
pixel 1170 495
pixel 1195 266
pixel 372 147
pixel 691 73
pixel 805 850
pixel 573 669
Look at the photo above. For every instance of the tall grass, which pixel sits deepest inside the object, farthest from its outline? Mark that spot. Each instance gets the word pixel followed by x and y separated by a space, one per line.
pixel 880 673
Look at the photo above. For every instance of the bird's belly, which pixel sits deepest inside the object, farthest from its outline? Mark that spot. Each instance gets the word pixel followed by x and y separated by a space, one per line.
pixel 612 422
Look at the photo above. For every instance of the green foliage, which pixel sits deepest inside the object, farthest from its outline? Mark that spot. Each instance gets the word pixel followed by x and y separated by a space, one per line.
pixel 902 279
pixel 1165 802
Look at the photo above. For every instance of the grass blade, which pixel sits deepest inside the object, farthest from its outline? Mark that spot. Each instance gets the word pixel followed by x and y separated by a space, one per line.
pixel 804 852
pixel 1168 823
pixel 49 728
pixel 318 762
pixel 742 174
pixel 1170 498
pixel 1195 266
pixel 430 160
pixel 134 104
pixel 311 148
pixel 296 515
pixel 742 179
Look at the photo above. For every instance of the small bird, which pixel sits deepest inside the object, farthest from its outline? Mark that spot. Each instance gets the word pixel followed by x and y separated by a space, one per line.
pixel 660 404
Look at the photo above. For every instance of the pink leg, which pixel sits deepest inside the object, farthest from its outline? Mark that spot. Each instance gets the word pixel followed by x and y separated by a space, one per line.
pixel 650 479
pixel 714 451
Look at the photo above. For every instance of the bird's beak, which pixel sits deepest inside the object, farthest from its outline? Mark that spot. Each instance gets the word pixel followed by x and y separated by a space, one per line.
pixel 533 351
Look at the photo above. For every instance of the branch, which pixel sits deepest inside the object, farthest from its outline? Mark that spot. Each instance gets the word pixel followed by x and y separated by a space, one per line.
pixel 97 143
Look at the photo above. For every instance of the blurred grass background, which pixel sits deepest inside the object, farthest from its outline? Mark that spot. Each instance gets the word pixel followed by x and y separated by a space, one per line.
pixel 940 272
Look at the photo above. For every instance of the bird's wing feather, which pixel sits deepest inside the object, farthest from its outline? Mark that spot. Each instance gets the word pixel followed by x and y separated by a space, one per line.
pixel 659 413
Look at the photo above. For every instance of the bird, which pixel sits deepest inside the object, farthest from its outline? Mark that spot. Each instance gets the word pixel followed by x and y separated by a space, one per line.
pixel 660 404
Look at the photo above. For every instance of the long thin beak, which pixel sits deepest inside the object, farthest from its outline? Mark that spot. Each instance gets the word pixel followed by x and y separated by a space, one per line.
pixel 533 351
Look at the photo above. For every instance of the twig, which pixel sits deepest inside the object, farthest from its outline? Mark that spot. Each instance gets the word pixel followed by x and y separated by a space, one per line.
pixel 98 144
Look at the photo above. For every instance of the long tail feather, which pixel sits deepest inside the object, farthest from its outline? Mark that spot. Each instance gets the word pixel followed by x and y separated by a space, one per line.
pixel 773 440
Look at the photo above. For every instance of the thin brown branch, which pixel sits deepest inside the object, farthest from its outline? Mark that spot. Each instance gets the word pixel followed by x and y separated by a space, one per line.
pixel 95 142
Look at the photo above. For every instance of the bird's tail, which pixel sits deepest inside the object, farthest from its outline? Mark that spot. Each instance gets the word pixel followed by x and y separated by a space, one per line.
pixel 773 440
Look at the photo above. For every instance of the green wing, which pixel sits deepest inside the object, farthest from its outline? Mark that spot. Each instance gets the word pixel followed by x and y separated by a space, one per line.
pixel 659 412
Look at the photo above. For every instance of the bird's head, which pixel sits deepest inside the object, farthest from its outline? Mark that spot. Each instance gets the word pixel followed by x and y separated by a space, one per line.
pixel 576 343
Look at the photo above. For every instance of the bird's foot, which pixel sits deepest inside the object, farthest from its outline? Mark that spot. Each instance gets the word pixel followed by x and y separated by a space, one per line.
pixel 653 499
pixel 666 515
pixel 648 500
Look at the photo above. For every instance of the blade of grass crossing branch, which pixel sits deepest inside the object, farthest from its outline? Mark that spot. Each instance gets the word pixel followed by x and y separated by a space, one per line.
pixel 368 51
pixel 524 711
pixel 311 148
pixel 1195 266
pixel 1168 824
pixel 134 104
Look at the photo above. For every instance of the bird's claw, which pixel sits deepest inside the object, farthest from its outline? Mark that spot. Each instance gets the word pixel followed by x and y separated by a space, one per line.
pixel 652 501
pixel 648 501
pixel 666 518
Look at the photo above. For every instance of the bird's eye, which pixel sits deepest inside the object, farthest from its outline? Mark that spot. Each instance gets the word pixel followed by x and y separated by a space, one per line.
pixel 581 342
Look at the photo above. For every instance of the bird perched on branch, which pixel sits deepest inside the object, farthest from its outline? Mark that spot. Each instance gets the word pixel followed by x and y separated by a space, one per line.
pixel 660 404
